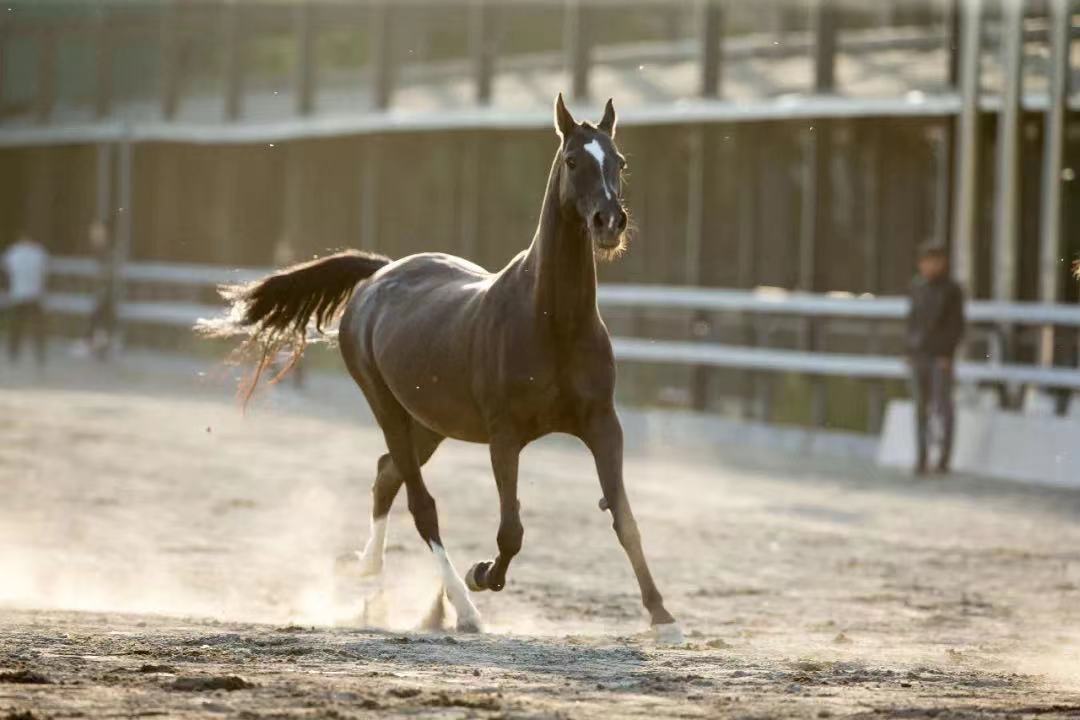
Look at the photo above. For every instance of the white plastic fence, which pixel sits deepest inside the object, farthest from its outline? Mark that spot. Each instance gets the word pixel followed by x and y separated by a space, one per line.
pixel 760 301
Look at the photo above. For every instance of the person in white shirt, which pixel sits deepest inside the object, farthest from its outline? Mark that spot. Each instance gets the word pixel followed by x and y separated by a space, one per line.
pixel 25 263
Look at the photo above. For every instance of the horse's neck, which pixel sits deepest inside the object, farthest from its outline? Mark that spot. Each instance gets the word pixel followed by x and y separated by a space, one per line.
pixel 563 268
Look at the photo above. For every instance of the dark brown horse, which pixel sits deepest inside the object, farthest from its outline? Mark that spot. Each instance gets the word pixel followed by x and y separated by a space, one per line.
pixel 442 348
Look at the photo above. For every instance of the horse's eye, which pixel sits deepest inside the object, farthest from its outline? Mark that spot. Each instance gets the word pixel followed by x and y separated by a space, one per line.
pixel 571 163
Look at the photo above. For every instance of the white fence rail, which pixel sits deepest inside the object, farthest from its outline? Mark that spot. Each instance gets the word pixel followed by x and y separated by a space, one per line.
pixel 699 353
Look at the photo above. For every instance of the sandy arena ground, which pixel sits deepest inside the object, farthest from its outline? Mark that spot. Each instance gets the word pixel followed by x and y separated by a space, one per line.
pixel 160 555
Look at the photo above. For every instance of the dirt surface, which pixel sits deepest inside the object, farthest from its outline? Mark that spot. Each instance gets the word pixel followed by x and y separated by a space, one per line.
pixel 160 555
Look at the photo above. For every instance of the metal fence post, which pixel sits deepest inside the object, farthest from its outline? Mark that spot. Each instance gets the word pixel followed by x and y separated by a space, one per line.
pixel 233 38
pixel 46 72
pixel 104 66
pixel 712 35
pixel 482 47
pixel 170 34
pixel 304 21
pixel 576 36
pixel 1007 200
pixel 698 155
pixel 121 248
pixel 966 175
pixel 1058 69
pixel 369 192
pixel 381 32
pixel 825 26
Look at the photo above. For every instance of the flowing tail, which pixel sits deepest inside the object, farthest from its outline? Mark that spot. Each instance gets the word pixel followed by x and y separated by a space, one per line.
pixel 274 313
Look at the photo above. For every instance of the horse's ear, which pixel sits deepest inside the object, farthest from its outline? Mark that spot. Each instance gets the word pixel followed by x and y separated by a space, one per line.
pixel 607 123
pixel 564 121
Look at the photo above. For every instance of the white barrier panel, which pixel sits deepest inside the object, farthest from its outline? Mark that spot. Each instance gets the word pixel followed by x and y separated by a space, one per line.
pixel 995 443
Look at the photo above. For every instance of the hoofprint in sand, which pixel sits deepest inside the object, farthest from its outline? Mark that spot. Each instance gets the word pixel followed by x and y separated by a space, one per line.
pixel 159 553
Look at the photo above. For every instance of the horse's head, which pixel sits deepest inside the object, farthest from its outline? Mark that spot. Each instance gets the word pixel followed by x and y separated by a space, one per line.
pixel 590 178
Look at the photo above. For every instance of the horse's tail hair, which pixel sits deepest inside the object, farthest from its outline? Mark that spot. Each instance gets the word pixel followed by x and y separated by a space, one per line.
pixel 274 313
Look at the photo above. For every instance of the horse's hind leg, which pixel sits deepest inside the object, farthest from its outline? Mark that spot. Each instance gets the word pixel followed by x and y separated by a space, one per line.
pixel 388 481
pixel 398 428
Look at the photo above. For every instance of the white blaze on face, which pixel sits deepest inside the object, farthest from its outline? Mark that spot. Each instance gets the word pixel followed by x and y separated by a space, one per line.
pixel 593 148
pixel 455 588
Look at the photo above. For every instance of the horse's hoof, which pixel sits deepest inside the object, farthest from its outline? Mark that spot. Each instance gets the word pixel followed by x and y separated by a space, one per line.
pixel 472 578
pixel 668 634
pixel 370 566
pixel 469 625
pixel 604 504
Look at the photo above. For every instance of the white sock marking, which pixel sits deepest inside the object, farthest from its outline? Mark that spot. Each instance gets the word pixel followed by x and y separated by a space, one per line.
pixel 593 148
pixel 371 559
pixel 455 587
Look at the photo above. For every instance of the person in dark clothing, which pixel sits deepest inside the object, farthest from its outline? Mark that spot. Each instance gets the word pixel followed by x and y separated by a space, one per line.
pixel 934 328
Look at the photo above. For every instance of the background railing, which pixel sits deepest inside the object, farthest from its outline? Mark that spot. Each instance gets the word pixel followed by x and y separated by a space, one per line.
pixel 201 279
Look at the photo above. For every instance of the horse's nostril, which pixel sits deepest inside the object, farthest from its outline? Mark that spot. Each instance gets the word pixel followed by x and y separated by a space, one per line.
pixel 622 220
pixel 598 219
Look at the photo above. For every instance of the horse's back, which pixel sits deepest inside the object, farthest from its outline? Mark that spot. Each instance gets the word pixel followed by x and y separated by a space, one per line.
pixel 412 323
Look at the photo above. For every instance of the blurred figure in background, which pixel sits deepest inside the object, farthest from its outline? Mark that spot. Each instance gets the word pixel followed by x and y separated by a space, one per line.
pixel 25 263
pixel 103 317
pixel 934 327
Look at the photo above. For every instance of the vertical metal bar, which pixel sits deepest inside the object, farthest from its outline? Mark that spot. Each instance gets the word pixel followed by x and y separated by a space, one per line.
pixel 825 26
pixel 103 95
pixel 1007 191
pixel 232 28
pixel 469 202
pixel 808 209
pixel 745 157
pixel 712 37
pixel 5 34
pixel 698 161
pixel 124 215
pixel 819 401
pixel 966 178
pixel 103 183
pixel 46 89
pixel 482 47
pixel 170 33
pixel 871 225
pixel 576 36
pixel 1058 70
pixel 369 193
pixel 871 220
pixel 749 187
pixel 381 29
pixel 305 29
pixel 695 203
pixel 939 144
pixel 952 41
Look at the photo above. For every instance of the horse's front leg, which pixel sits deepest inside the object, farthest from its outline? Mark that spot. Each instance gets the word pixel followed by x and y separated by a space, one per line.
pixel 491 575
pixel 603 436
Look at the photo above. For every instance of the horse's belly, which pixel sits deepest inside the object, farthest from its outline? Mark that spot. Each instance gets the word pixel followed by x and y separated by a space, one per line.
pixel 447 410
pixel 429 374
